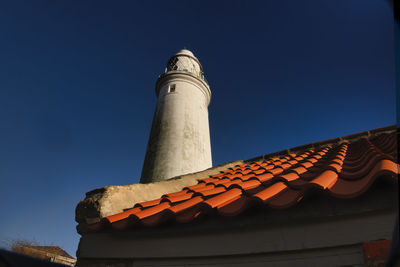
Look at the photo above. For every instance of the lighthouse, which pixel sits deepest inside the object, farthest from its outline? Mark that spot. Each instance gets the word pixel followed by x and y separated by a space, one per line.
pixel 179 141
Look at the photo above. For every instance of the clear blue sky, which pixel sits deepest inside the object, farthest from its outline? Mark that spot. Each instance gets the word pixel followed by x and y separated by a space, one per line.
pixel 77 89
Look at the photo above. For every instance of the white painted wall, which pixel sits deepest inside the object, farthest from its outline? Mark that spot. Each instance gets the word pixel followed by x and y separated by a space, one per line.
pixel 179 141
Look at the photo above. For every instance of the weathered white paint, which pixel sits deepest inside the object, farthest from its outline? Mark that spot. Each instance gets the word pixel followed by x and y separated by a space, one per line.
pixel 179 141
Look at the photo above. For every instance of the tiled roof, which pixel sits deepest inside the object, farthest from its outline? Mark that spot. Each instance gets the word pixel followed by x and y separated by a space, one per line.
pixel 345 169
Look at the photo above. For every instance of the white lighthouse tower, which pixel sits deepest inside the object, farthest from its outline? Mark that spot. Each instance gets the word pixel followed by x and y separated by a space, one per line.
pixel 179 141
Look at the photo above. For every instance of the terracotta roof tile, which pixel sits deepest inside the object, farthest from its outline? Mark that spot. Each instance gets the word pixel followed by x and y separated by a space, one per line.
pixel 343 170
pixel 177 198
pixel 259 171
pixel 249 184
pixel 203 188
pixel 326 179
pixel 148 203
pixel 183 192
pixel 236 207
pixel 223 198
pixel 290 176
pixel 270 191
pixel 123 215
pixel 211 192
pixel 286 198
pixel 186 205
pixel 265 177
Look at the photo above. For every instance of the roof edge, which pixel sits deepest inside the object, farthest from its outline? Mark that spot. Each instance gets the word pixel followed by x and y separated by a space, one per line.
pixel 320 144
pixel 113 199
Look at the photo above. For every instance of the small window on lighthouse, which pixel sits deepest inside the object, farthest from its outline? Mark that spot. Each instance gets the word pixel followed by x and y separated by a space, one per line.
pixel 171 88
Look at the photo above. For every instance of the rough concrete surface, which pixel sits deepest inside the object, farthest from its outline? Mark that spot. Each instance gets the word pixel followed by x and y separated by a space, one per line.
pixel 113 199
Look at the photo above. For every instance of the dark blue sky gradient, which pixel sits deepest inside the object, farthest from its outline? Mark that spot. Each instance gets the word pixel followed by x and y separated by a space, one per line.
pixel 77 89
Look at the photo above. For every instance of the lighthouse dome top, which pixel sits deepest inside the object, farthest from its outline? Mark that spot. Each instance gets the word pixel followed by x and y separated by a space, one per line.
pixel 185 61
pixel 185 52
